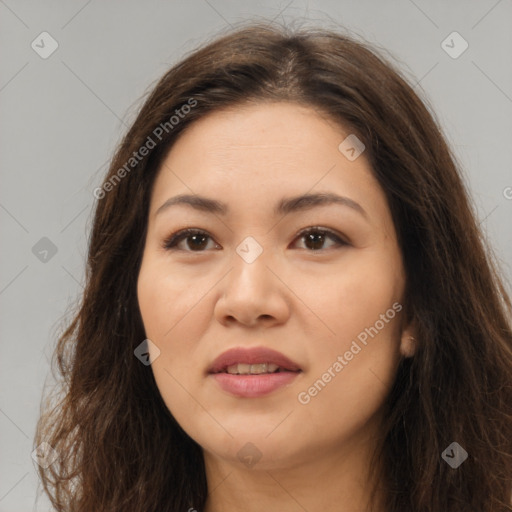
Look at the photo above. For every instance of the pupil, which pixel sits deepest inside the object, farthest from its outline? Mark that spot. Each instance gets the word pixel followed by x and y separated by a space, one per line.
pixel 317 240
pixel 195 238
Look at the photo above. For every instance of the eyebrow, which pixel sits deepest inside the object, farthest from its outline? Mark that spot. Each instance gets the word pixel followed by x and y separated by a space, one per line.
pixel 285 206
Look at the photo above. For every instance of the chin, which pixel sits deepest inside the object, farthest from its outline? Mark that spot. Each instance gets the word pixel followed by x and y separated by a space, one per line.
pixel 258 449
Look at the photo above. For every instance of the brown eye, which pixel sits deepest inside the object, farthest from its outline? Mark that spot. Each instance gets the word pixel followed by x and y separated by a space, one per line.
pixel 314 238
pixel 196 240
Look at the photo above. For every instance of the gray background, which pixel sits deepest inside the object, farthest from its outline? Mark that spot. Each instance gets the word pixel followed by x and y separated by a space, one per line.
pixel 61 117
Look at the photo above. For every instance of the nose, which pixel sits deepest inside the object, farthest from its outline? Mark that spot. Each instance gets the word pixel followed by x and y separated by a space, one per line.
pixel 252 294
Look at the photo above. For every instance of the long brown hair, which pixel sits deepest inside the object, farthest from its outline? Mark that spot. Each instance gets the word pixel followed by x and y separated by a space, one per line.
pixel 120 449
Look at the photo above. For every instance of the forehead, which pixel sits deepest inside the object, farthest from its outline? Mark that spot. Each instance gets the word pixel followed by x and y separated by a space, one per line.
pixel 262 152
pixel 263 127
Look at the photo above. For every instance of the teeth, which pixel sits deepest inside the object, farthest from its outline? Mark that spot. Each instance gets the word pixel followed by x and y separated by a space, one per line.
pixel 252 369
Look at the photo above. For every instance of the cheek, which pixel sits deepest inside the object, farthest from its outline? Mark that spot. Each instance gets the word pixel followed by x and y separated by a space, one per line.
pixel 167 301
pixel 352 376
pixel 174 317
pixel 351 296
pixel 355 365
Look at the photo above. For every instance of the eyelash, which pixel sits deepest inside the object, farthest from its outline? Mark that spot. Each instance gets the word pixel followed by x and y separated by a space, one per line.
pixel 171 241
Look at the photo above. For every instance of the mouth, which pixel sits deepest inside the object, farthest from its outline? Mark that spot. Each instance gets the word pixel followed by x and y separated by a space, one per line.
pixel 252 361
pixel 253 369
pixel 253 372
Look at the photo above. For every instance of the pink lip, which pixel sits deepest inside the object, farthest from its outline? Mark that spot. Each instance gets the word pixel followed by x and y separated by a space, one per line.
pixel 250 386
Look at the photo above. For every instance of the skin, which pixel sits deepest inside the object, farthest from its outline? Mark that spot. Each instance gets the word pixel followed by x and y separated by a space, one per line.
pixel 310 305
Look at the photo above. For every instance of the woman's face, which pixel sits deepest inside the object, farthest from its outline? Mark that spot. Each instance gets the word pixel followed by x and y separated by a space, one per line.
pixel 251 279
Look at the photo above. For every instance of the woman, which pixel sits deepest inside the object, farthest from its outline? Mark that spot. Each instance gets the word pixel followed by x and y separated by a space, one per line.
pixel 289 304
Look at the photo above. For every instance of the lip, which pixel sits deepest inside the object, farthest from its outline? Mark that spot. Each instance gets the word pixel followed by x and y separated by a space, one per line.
pixel 256 355
pixel 252 386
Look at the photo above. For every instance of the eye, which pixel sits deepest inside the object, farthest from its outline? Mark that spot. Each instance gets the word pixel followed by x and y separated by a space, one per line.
pixel 196 237
pixel 315 238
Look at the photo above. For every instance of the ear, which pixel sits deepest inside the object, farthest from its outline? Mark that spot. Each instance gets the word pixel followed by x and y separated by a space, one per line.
pixel 408 342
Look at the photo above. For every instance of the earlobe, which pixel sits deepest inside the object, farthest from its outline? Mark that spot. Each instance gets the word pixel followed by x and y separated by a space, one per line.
pixel 408 345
